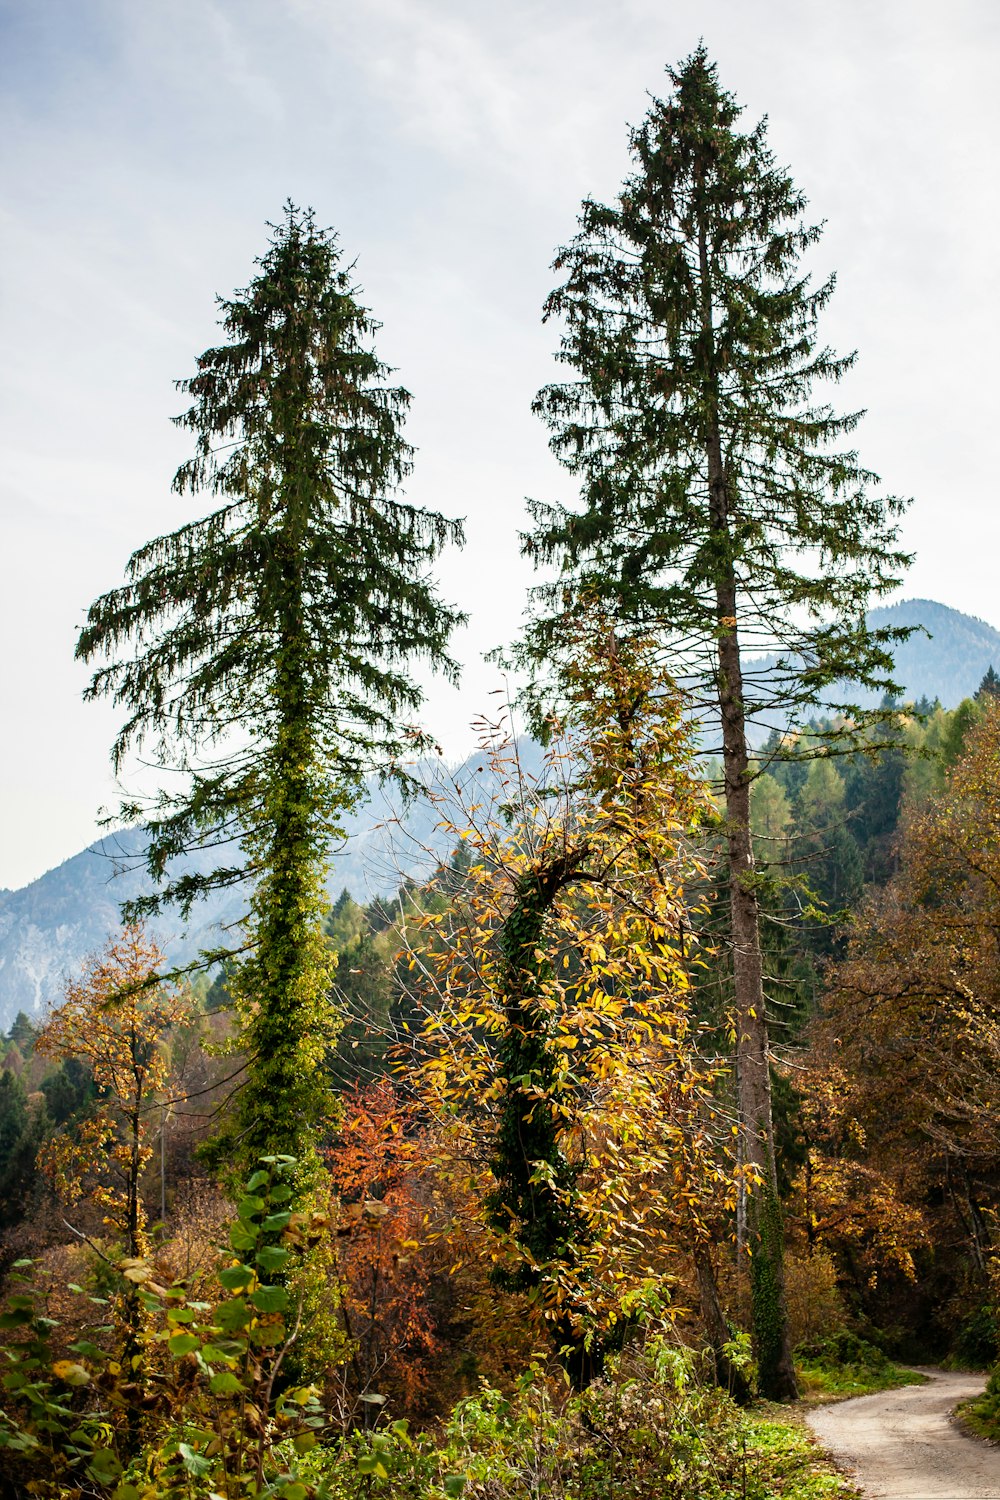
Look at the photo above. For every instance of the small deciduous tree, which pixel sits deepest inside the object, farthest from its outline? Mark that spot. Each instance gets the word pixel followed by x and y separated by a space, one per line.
pixel 381 1258
pixel 558 1043
pixel 115 1020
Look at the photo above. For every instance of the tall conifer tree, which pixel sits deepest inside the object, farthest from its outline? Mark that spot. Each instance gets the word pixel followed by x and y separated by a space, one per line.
pixel 716 505
pixel 262 653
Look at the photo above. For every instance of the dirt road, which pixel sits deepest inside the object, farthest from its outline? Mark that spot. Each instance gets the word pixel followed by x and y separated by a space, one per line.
pixel 901 1444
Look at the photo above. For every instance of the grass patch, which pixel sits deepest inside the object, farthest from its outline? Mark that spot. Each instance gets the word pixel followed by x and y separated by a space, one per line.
pixel 845 1365
pixel 783 1459
pixel 981 1415
pixel 982 1424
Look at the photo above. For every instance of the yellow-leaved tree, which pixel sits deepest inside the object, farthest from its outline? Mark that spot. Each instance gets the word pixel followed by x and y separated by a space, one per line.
pixel 559 1048
pixel 116 1019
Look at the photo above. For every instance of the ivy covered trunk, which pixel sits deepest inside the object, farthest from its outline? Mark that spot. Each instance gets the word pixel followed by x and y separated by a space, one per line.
pixel 533 1201
pixel 285 988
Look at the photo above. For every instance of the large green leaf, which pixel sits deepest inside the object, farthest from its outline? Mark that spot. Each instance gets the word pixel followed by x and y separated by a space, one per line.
pixel 270 1299
pixel 233 1278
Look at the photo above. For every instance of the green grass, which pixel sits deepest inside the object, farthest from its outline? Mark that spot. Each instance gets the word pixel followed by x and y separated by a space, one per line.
pixel 979 1420
pixel 982 1414
pixel 783 1460
pixel 823 1382
pixel 846 1365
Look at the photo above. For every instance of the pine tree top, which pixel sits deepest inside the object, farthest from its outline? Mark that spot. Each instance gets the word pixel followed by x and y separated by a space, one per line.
pixel 686 310
pixel 309 580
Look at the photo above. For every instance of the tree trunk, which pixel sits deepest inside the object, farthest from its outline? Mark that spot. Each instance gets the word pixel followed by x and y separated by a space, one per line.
pixel 134 1237
pixel 728 1376
pixel 776 1373
pixel 285 1033
pixel 772 1345
pixel 132 1351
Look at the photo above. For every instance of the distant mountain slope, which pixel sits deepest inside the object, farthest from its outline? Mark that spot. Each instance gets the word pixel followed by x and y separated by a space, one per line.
pixel 48 927
pixel 951 660
pixel 946 657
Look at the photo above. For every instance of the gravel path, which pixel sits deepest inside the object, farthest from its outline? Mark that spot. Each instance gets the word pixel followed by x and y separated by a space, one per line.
pixel 902 1444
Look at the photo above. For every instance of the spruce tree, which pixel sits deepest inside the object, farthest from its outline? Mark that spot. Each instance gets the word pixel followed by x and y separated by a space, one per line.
pixel 716 503
pixel 262 654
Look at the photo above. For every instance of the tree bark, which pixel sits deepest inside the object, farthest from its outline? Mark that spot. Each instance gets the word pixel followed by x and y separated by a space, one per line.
pixel 772 1344
pixel 727 1374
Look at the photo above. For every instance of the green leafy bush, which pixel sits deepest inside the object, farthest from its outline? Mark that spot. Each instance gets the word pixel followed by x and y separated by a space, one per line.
pixel 983 1414
pixel 188 1403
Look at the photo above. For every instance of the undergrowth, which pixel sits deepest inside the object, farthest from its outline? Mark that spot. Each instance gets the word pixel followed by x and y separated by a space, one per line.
pixel 783 1460
pixel 846 1365
pixel 982 1415
pixel 172 1394
pixel 646 1432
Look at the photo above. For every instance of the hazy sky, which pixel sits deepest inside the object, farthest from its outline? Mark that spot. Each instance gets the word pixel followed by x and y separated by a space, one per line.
pixel 450 143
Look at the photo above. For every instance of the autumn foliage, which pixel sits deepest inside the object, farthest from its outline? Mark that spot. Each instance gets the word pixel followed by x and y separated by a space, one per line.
pixel 116 1019
pixel 559 1052
pixel 378 1168
pixel 911 1029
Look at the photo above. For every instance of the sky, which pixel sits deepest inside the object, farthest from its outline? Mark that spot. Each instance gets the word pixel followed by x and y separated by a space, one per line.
pixel 449 142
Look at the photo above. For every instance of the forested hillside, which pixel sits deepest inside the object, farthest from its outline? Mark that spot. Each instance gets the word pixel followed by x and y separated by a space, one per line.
pixel 946 657
pixel 641 1085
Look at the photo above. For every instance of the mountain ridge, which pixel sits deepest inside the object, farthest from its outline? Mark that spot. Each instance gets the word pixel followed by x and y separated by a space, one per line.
pixel 48 927
pixel 951 660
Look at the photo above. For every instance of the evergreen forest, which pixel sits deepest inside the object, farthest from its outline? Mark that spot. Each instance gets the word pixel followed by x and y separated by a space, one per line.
pixel 665 1106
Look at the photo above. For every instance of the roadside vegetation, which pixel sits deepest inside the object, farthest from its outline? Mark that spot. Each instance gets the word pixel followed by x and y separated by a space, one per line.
pixel 845 1365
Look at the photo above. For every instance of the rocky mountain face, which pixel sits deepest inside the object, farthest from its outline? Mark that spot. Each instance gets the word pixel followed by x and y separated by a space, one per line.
pixel 49 927
pixel 46 927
